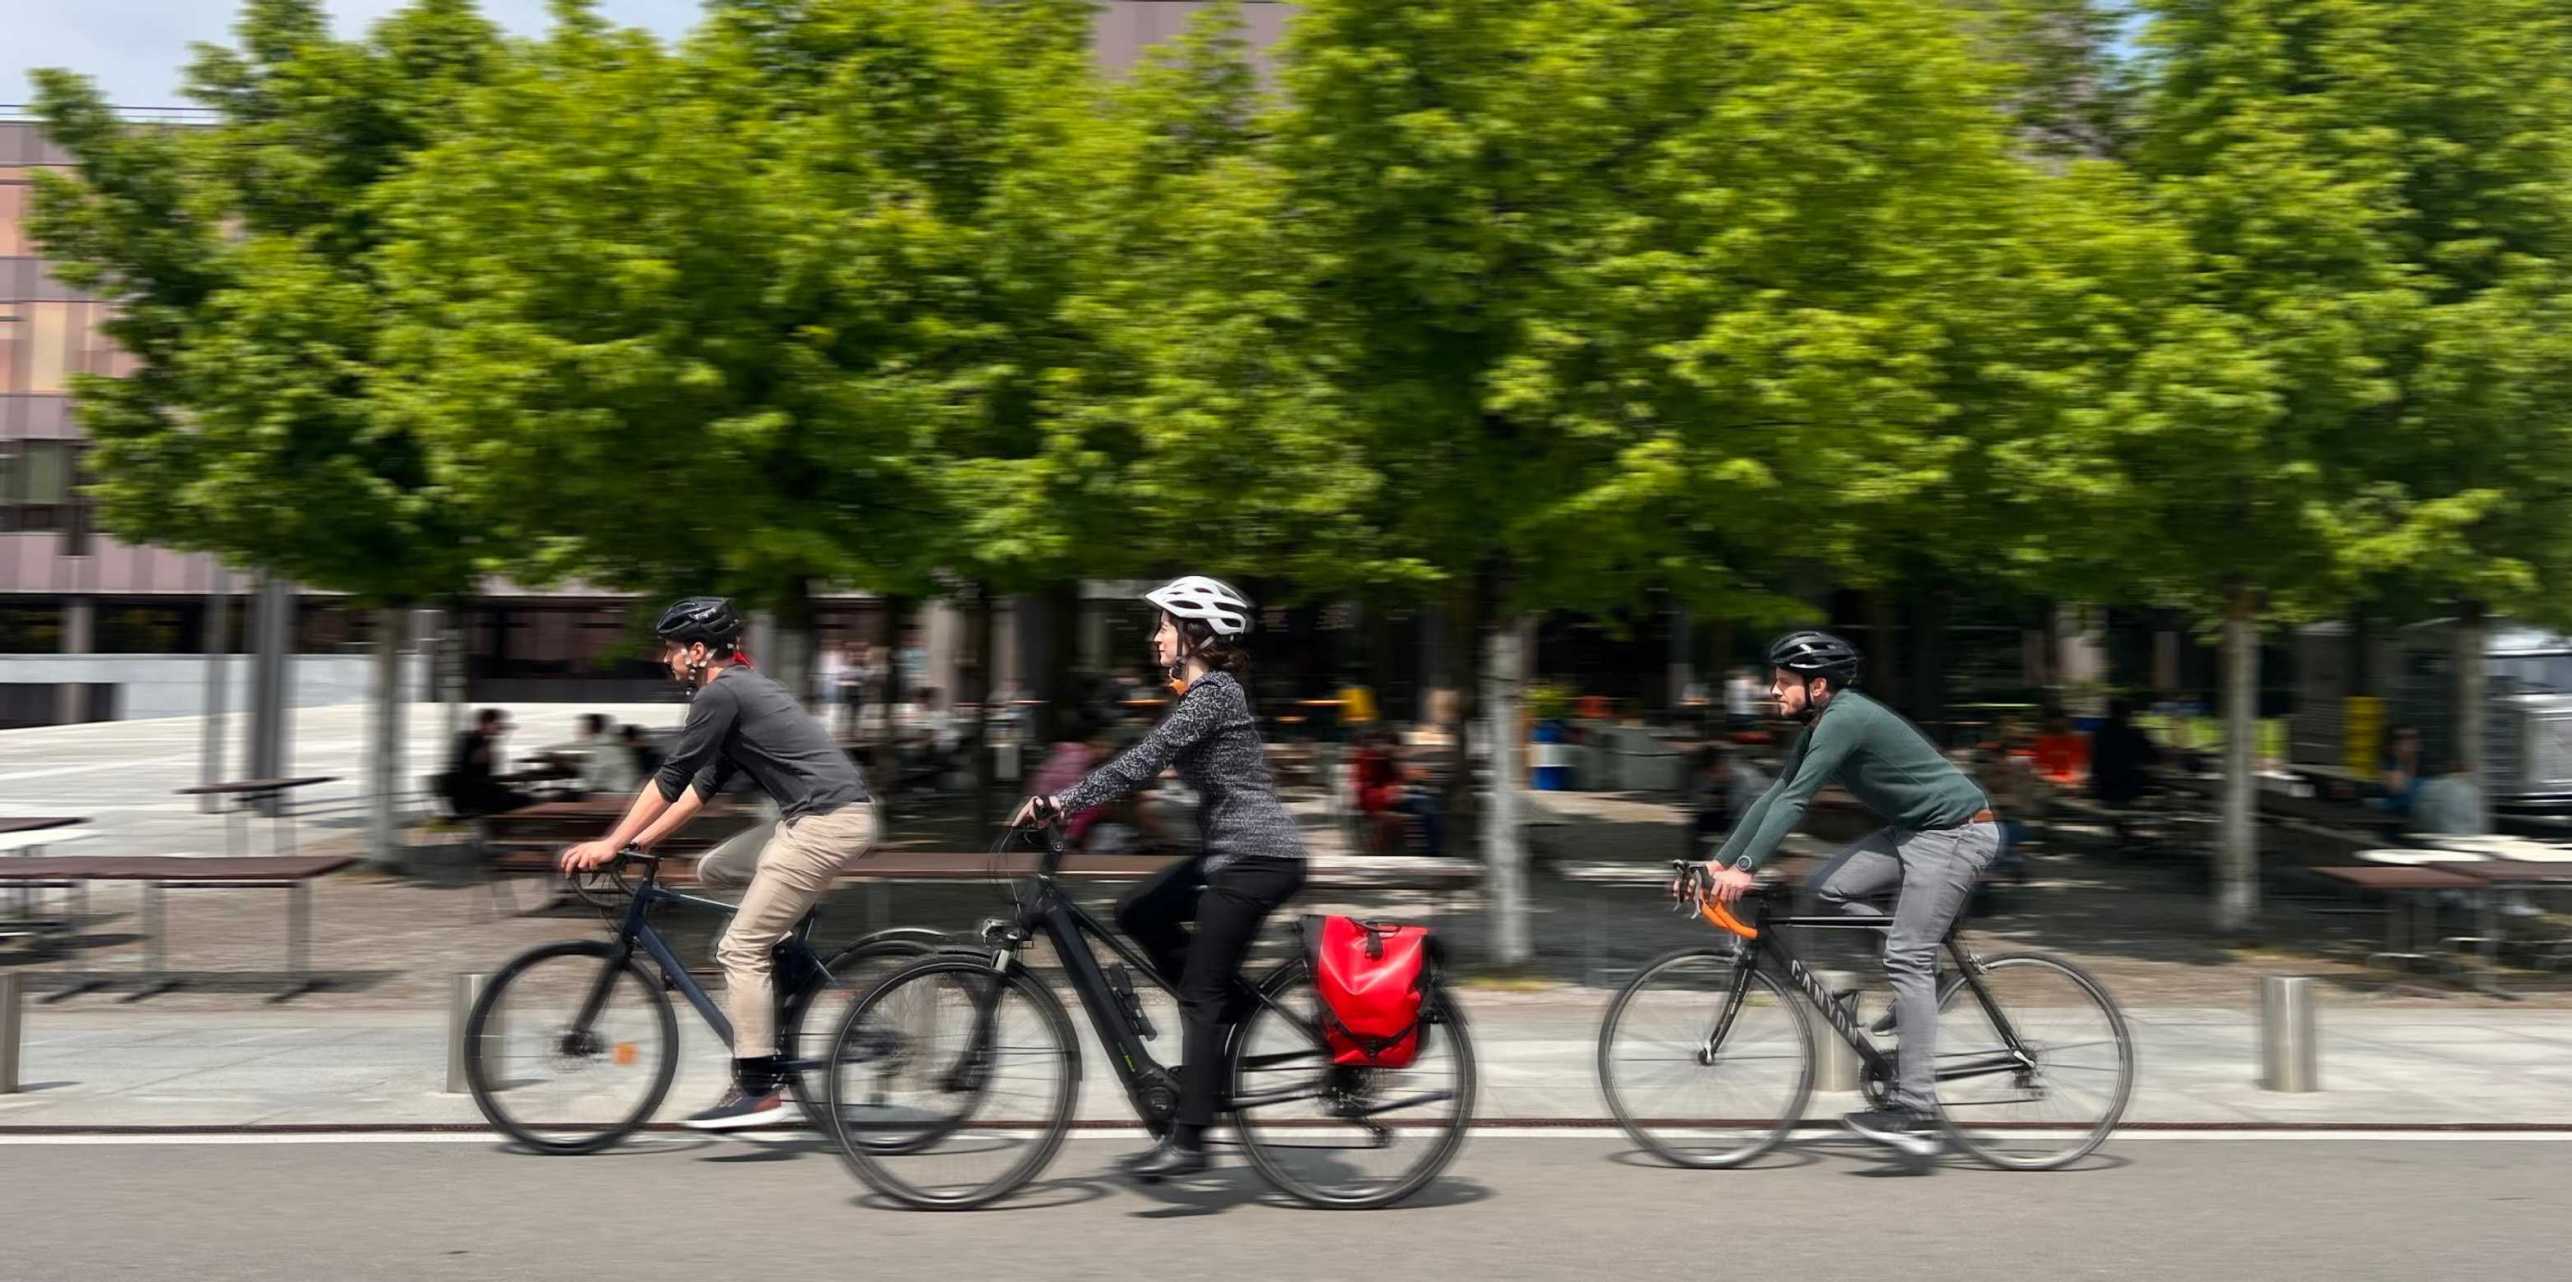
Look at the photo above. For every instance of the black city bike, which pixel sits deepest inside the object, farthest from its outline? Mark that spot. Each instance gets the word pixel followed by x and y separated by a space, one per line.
pixel 954 1082
pixel 572 1046
pixel 1707 1056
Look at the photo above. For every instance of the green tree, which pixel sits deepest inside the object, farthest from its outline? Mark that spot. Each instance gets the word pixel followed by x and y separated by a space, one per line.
pixel 1624 295
pixel 662 337
pixel 240 259
pixel 2475 464
pixel 2246 451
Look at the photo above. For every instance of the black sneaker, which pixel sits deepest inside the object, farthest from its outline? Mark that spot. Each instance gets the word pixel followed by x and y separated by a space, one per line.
pixel 741 1110
pixel 1910 1132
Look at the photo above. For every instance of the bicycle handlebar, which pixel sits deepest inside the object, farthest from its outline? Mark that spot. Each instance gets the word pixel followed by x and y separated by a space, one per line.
pixel 1690 887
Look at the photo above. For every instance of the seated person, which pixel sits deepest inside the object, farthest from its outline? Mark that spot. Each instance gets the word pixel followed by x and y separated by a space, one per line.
pixel 929 739
pixel 471 786
pixel 1376 779
pixel 606 769
pixel 639 749
pixel 2122 758
pixel 2062 755
pixel 2399 772
pixel 1069 761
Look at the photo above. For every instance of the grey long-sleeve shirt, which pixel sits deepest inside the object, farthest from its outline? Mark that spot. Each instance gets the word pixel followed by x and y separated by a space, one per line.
pixel 743 721
pixel 1213 739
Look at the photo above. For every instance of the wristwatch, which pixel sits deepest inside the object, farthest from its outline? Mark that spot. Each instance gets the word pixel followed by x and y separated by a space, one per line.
pixel 1742 864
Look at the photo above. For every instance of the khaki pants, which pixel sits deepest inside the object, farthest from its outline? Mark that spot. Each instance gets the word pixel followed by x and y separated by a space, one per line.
pixel 793 867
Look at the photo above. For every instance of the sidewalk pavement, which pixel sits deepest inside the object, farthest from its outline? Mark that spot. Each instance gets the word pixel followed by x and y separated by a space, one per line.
pixel 84 1069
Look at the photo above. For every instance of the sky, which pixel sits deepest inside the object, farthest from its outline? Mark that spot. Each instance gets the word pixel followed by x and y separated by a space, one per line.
pixel 137 50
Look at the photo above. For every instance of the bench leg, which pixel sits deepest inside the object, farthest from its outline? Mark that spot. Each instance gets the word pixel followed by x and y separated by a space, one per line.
pixel 81 982
pixel 155 978
pixel 299 943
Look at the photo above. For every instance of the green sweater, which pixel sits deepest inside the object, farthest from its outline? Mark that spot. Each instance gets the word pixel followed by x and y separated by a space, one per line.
pixel 1883 760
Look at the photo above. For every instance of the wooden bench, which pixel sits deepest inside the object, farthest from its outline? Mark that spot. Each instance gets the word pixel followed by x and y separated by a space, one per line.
pixel 163 873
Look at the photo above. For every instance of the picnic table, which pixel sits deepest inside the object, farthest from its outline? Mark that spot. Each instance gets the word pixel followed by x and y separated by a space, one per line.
pixel 2417 883
pixel 27 836
pixel 2282 805
pixel 2520 866
pixel 250 794
pixel 163 873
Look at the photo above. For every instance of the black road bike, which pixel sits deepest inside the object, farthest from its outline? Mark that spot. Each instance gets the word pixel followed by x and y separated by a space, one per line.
pixel 1707 1056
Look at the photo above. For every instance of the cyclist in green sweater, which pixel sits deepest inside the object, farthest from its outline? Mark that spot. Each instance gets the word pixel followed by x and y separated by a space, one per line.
pixel 1939 835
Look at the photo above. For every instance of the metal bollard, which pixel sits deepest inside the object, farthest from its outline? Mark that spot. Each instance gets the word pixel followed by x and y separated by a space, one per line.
pixel 1835 1065
pixel 13 1009
pixel 2290 1055
pixel 466 991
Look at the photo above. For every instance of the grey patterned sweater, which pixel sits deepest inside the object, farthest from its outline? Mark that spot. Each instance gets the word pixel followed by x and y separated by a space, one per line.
pixel 1214 741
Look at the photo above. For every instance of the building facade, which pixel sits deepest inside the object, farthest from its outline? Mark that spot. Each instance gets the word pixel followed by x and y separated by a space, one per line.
pixel 93 628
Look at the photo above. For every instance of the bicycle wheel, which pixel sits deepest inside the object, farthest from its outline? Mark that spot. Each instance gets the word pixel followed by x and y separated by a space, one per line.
pixel 1693 1098
pixel 951 1084
pixel 2046 1092
pixel 805 1031
pixel 1341 1137
pixel 570 1049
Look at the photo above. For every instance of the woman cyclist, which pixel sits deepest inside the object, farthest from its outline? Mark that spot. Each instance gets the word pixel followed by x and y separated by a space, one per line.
pixel 1250 858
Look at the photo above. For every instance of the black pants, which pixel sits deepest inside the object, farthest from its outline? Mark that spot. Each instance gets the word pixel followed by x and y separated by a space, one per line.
pixel 1228 908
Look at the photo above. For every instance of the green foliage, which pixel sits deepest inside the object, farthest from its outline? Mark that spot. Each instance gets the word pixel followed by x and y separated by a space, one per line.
pixel 240 257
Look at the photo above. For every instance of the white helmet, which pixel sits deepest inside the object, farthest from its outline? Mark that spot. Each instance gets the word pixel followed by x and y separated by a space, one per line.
pixel 1208 601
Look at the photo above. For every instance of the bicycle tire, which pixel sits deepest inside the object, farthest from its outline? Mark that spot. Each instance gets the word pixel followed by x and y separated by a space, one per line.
pixel 808 1079
pixel 479 1078
pixel 1444 1020
pixel 1987 1147
pixel 868 1162
pixel 1661 1136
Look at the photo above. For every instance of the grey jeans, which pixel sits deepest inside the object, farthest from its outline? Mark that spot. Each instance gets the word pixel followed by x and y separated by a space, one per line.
pixel 1935 873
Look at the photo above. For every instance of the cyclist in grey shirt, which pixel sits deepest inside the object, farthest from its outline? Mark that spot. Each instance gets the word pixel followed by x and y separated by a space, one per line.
pixel 740 722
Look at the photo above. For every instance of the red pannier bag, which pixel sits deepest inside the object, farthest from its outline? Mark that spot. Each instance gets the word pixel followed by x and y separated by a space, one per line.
pixel 1371 977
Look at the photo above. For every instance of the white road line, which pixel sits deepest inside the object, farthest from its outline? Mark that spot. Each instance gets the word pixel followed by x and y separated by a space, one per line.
pixel 1480 1133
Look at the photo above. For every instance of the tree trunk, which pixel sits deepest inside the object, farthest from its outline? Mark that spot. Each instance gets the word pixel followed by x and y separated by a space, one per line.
pixel 888 766
pixel 1882 672
pixel 1929 663
pixel 384 755
pixel 1683 668
pixel 2360 656
pixel 447 665
pixel 218 664
pixel 1504 839
pixel 1465 621
pixel 797 638
pixel 2237 856
pixel 272 675
pixel 2472 707
pixel 979 686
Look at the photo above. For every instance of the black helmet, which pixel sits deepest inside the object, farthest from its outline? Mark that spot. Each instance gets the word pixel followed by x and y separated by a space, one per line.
pixel 710 619
pixel 1815 654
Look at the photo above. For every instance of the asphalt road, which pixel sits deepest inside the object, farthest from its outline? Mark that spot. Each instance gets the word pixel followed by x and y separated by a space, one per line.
pixel 1516 1206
